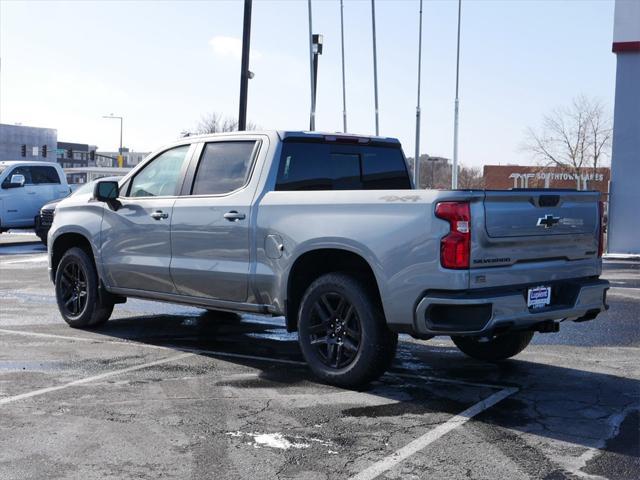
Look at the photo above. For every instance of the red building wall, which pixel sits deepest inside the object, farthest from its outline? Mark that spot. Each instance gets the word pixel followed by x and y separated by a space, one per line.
pixel 504 177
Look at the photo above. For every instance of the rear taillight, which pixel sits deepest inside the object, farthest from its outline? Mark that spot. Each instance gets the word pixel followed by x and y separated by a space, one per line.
pixel 601 228
pixel 455 247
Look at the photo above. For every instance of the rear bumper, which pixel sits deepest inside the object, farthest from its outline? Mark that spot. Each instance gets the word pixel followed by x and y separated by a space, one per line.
pixel 488 311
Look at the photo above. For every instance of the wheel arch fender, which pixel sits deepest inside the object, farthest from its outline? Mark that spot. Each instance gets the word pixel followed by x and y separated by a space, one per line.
pixel 67 237
pixel 313 259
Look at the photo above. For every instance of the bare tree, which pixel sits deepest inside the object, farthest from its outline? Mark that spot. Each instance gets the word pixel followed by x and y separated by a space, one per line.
pixel 435 173
pixel 470 178
pixel 216 123
pixel 574 137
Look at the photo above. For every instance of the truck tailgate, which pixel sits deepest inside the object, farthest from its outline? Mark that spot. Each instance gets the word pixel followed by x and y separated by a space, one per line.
pixel 528 236
pixel 521 214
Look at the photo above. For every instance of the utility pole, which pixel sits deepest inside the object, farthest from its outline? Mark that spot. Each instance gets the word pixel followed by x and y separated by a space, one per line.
pixel 416 166
pixel 375 63
pixel 312 117
pixel 244 72
pixel 454 173
pixel 344 89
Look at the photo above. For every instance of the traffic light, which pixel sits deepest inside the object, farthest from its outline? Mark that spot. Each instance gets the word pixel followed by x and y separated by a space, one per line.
pixel 23 150
pixel 43 151
pixel 92 155
pixel 69 153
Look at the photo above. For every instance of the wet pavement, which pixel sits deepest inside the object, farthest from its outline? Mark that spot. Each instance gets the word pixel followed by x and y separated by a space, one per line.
pixel 166 391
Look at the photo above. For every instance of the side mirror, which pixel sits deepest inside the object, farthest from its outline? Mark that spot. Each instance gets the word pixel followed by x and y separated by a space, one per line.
pixel 17 181
pixel 108 192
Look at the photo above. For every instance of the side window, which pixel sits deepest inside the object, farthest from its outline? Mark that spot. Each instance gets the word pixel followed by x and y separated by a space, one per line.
pixel 160 177
pixel 384 168
pixel 26 171
pixel 223 168
pixel 308 166
pixel 44 175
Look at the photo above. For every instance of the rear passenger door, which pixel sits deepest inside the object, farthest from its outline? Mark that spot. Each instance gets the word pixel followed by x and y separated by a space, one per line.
pixel 211 222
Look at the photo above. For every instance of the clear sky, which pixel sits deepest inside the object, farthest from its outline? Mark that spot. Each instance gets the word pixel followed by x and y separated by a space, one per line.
pixel 162 65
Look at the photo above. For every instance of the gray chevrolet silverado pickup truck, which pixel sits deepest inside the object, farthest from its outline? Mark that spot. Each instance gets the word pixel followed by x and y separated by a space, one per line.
pixel 328 231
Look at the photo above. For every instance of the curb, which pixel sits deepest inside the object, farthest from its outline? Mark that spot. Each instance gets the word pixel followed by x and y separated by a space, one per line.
pixel 622 256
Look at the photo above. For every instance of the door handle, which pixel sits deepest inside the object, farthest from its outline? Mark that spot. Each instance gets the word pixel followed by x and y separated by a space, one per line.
pixel 158 214
pixel 234 216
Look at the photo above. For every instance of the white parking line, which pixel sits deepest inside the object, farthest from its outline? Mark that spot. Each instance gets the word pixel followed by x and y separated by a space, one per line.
pixel 42 391
pixel 431 436
pixel 30 259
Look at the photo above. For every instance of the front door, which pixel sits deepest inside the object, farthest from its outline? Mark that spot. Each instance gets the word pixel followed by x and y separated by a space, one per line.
pixel 136 237
pixel 210 227
pixel 19 203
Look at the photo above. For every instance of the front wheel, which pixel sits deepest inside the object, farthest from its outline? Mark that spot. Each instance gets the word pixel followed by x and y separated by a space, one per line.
pixel 77 294
pixel 494 350
pixel 342 331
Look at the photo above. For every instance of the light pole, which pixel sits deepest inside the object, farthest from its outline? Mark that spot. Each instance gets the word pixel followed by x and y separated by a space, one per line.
pixel 245 74
pixel 119 118
pixel 375 63
pixel 316 51
pixel 344 89
pixel 120 158
pixel 312 116
pixel 416 167
pixel 454 173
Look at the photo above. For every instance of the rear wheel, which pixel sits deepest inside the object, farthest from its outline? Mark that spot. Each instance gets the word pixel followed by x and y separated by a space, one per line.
pixel 494 350
pixel 342 331
pixel 77 292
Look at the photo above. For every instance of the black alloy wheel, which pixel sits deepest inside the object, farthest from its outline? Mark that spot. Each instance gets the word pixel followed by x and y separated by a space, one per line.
pixel 335 330
pixel 73 289
pixel 78 295
pixel 342 331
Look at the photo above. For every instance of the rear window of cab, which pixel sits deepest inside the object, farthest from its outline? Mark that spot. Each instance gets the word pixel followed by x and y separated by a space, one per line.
pixel 329 166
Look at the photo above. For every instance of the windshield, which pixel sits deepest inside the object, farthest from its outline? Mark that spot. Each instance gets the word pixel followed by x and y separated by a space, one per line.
pixel 86 188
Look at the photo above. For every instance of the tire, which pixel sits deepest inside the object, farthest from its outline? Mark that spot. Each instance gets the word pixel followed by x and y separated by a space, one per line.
pixel 495 350
pixel 76 278
pixel 343 333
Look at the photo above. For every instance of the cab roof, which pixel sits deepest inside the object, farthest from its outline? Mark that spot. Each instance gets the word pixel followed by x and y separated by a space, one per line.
pixel 292 135
pixel 10 163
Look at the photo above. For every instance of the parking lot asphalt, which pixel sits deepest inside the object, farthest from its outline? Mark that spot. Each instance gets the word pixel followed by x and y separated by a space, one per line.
pixel 167 391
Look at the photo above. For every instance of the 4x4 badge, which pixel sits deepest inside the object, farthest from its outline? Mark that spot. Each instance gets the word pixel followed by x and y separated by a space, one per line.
pixel 547 221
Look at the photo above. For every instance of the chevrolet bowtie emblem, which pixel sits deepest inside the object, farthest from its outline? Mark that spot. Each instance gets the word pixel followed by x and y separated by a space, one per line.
pixel 547 221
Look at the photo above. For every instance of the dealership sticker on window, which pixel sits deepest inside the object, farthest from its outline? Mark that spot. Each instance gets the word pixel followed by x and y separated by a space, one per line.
pixel 538 297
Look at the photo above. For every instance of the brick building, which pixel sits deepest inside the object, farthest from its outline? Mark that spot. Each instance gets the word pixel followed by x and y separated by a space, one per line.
pixel 504 177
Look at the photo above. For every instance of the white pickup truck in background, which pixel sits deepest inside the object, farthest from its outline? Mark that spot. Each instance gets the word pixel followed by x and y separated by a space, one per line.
pixel 25 187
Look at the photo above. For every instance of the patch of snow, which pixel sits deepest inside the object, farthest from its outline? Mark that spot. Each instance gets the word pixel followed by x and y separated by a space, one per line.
pixel 279 441
pixel 278 336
